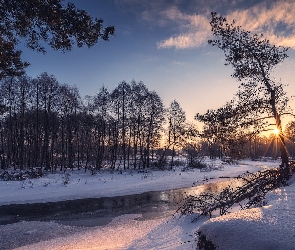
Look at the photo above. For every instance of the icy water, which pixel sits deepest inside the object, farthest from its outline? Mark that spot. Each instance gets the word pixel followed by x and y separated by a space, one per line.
pixel 100 211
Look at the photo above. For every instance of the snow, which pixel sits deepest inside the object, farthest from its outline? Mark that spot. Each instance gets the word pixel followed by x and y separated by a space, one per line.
pixel 268 227
pixel 117 235
pixel 132 231
pixel 175 233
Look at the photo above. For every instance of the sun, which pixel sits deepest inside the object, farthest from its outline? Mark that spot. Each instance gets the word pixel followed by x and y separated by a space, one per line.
pixel 276 131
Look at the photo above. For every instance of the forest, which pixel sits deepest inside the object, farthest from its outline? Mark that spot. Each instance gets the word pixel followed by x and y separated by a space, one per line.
pixel 48 125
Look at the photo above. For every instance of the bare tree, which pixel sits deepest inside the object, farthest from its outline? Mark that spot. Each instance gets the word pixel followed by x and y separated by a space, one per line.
pixel 101 110
pixel 121 96
pixel 176 126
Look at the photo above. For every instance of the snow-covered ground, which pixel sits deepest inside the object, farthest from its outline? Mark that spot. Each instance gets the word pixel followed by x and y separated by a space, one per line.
pixel 268 227
pixel 125 232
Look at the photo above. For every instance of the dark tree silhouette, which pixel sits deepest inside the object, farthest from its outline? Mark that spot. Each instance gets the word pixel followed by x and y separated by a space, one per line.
pixel 176 127
pixel 253 58
pixel 231 126
pixel 50 22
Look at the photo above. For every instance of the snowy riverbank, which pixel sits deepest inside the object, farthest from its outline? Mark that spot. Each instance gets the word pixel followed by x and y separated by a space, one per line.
pixel 82 184
pixel 268 227
pixel 124 232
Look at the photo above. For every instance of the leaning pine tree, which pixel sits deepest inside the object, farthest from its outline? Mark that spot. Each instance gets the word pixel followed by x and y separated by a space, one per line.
pixel 253 58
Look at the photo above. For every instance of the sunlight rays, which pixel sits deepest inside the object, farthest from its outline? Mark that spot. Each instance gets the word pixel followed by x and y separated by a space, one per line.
pixel 276 140
pixel 273 145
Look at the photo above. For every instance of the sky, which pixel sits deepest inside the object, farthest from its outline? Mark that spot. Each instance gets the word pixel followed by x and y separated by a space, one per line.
pixel 164 44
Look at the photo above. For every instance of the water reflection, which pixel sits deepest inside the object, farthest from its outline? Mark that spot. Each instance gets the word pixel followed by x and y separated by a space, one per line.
pixel 151 205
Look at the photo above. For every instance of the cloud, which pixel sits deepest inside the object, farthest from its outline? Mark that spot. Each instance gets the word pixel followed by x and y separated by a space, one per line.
pixel 185 41
pixel 197 26
pixel 275 21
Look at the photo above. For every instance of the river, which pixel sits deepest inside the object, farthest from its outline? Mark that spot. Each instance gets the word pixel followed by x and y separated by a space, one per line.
pixel 92 212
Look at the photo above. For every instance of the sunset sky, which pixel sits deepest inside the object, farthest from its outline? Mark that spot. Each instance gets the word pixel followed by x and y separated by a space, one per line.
pixel 164 44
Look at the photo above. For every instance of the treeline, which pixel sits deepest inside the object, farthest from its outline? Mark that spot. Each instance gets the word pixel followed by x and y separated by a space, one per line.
pixel 255 147
pixel 47 124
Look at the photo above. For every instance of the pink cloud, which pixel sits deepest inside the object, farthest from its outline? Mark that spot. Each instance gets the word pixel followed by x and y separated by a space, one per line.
pixel 195 29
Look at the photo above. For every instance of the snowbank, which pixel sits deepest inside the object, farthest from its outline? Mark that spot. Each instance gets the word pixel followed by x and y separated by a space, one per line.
pixel 268 227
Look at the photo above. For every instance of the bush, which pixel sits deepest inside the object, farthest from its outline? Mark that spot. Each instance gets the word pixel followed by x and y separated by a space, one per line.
pixel 197 164
pixel 21 175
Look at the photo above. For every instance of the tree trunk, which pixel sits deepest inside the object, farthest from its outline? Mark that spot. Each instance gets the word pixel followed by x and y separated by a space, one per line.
pixel 283 150
pixel 282 144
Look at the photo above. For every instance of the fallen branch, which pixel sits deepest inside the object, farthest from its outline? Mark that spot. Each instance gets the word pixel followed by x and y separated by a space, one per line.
pixel 252 189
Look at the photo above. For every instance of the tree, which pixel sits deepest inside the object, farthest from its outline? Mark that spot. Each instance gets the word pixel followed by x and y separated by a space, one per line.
pixel 101 108
pixel 152 122
pixel 233 125
pixel 176 127
pixel 49 21
pixel 48 102
pixel 139 110
pixel 121 97
pixel 70 102
pixel 290 134
pixel 253 58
